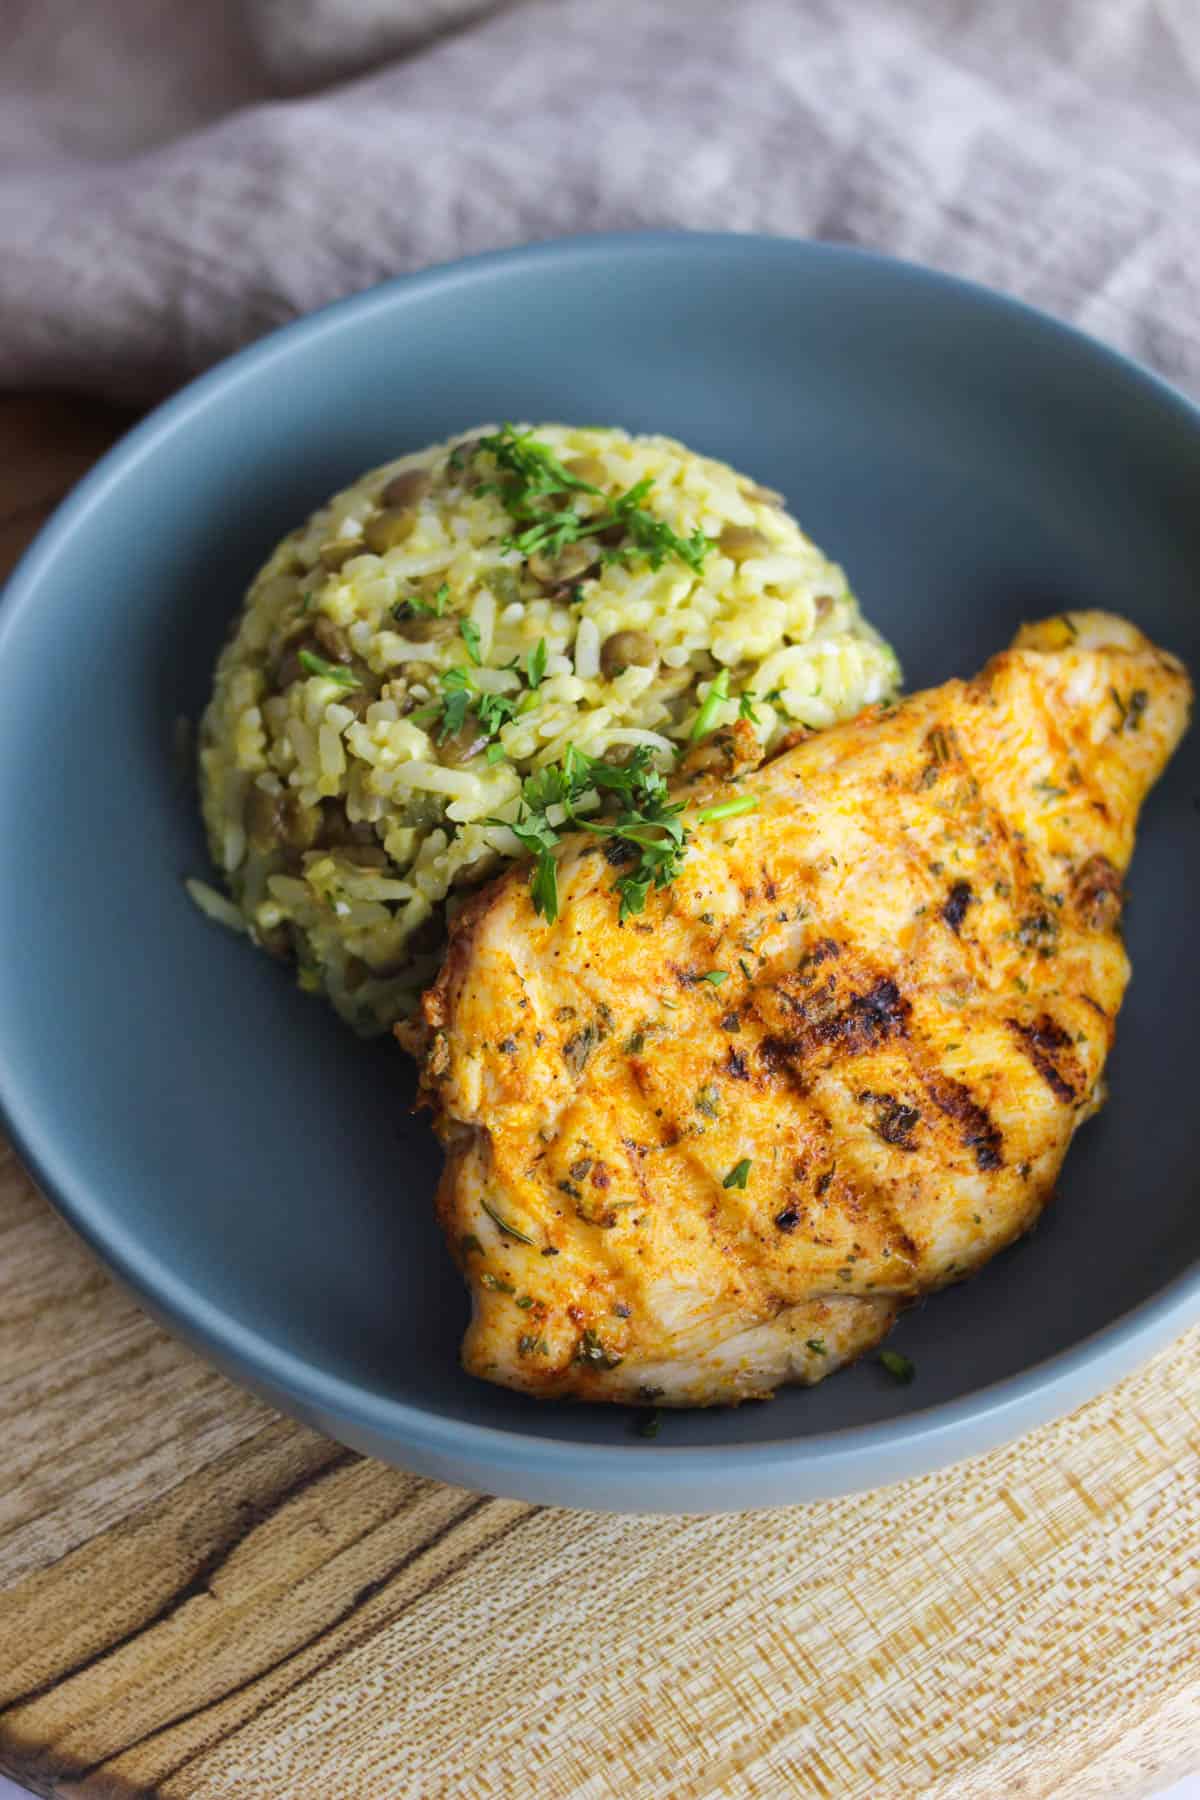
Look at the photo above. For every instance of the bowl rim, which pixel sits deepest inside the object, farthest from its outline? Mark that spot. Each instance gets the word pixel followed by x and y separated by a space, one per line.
pixel 997 1410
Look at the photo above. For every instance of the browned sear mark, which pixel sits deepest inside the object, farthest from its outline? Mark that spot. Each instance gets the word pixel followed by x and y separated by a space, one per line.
pixel 954 908
pixel 823 951
pixel 894 1121
pixel 1045 1043
pixel 869 1019
pixel 860 1023
pixel 979 1131
pixel 1097 894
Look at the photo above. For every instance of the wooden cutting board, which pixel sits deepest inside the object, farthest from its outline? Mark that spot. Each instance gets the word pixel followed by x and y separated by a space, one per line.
pixel 200 1599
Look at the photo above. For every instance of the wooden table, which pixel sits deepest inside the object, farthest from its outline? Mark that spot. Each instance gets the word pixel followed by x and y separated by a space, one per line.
pixel 199 1598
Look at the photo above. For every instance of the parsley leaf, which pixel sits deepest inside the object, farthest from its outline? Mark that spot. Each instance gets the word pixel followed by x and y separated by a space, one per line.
pixel 470 637
pixel 530 479
pixel 535 664
pixel 647 821
pixel 646 838
pixel 493 711
pixel 450 712
pixel 406 609
pixel 543 886
pixel 461 695
pixel 652 536
pixel 530 466
pixel 739 1175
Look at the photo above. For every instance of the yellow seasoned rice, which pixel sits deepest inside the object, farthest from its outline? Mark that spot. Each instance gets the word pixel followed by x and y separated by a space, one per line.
pixel 345 829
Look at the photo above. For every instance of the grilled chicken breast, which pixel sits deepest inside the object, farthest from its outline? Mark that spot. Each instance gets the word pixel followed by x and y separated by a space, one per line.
pixel 835 1065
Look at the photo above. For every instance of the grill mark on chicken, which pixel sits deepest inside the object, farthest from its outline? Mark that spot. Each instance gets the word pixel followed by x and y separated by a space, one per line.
pixel 1097 894
pixel 1044 1043
pixel 869 1019
pixel 825 950
pixel 954 908
pixel 862 1023
pixel 974 819
pixel 850 1198
pixel 940 748
pixel 894 1121
pixel 979 1132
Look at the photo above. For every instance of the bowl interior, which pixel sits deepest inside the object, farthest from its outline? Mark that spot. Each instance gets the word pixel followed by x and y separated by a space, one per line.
pixel 970 464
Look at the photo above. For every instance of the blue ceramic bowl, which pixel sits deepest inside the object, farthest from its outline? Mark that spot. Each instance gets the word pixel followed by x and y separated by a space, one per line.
pixel 251 1171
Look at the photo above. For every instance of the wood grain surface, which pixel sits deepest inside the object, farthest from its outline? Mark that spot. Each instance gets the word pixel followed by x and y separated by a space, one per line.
pixel 201 1599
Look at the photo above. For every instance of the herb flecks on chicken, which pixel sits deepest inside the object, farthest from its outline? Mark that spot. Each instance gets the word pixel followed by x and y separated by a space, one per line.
pixel 667 1187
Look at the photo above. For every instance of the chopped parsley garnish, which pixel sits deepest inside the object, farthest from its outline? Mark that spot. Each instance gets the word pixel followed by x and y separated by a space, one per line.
pixel 593 1351
pixel 744 966
pixel 335 672
pixel 653 537
pixel 739 1175
pixel 460 696
pixel 535 490
pixel 649 1424
pixel 496 1283
pixel 644 833
pixel 530 468
pixel 817 1346
pixel 470 637
pixel 404 609
pixel 746 707
pixel 493 710
pixel 495 754
pixel 535 665
pixel 716 976
pixel 899 1367
pixel 450 712
pixel 647 821
pixel 543 886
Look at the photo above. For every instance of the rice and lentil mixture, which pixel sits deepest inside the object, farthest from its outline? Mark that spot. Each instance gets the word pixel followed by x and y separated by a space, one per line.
pixel 454 623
